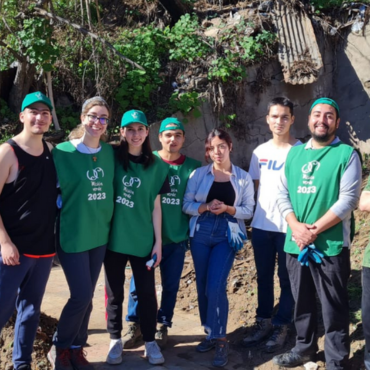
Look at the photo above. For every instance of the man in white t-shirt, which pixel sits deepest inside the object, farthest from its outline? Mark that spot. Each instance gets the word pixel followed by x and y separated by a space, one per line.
pixel 269 229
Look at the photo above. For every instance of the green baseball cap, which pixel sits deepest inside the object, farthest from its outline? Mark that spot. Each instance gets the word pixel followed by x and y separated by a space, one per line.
pixel 134 116
pixel 36 97
pixel 327 101
pixel 171 123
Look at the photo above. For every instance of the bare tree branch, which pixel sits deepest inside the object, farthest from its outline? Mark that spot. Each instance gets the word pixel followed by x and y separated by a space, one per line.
pixel 86 32
pixel 12 51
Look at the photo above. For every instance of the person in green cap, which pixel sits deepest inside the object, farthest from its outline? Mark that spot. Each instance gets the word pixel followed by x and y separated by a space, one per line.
pixel 318 190
pixel 85 168
pixel 175 230
pixel 140 179
pixel 28 192
pixel 364 206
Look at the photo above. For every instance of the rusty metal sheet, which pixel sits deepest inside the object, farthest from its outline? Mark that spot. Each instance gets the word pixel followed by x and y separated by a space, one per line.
pixel 299 54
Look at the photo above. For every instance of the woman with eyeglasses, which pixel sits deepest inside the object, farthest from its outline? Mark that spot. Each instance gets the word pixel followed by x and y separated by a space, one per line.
pixel 85 168
pixel 219 197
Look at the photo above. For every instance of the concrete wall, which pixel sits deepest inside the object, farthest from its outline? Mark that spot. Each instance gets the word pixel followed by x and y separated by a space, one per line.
pixel 352 90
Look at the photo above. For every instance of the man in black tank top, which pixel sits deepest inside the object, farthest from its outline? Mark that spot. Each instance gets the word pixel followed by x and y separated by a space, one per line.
pixel 27 215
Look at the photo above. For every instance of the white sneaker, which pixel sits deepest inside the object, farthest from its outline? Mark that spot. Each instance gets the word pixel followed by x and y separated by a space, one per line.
pixel 153 353
pixel 115 352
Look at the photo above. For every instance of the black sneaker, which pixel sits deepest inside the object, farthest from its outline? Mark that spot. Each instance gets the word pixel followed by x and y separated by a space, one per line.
pixel 292 359
pixel 24 367
pixel 206 345
pixel 132 336
pixel 161 336
pixel 221 355
pixel 277 339
pixel 260 331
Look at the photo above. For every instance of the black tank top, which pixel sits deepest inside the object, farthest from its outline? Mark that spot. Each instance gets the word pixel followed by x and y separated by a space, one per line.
pixel 28 204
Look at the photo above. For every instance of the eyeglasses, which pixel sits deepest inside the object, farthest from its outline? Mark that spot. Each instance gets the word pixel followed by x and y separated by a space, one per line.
pixel 218 147
pixel 93 119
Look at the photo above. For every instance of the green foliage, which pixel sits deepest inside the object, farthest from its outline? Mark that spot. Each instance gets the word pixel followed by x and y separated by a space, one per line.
pixel 185 103
pixel 145 46
pixel 185 44
pixel 228 119
pixel 68 118
pixel 6 115
pixel 37 42
pixel 254 47
pixel 227 68
pixel 329 4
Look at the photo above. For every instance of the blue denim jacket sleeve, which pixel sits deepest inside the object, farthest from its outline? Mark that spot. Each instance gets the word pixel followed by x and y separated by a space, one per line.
pixel 200 182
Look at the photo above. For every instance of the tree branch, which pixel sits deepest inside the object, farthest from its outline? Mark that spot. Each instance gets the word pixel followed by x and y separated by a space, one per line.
pixel 12 51
pixel 84 31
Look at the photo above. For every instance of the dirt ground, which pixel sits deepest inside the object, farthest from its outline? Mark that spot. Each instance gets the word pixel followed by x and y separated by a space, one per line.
pixel 242 293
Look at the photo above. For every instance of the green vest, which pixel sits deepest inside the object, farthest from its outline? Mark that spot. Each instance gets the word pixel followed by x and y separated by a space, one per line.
pixel 313 177
pixel 87 195
pixel 366 260
pixel 135 192
pixel 175 223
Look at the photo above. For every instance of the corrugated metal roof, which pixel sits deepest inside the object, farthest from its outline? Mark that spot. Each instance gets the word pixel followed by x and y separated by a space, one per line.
pixel 299 53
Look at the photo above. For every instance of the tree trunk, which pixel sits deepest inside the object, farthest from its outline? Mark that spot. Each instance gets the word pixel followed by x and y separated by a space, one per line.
pixel 51 97
pixel 22 83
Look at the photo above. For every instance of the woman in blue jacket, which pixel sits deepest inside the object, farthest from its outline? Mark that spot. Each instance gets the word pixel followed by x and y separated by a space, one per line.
pixel 219 197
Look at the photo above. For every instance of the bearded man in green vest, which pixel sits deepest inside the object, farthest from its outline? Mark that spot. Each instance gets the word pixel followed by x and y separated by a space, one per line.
pixel 319 189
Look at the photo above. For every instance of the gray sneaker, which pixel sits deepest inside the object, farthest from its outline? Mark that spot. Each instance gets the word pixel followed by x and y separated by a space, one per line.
pixel 132 336
pixel 277 339
pixel 161 336
pixel 153 353
pixel 221 354
pixel 260 331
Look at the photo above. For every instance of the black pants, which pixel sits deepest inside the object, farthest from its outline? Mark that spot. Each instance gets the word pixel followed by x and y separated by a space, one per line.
pixel 329 280
pixel 365 309
pixel 115 264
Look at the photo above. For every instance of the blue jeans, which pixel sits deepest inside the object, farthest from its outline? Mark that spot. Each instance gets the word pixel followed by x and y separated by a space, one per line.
pixel 213 258
pixel 266 245
pixel 23 287
pixel 173 256
pixel 82 272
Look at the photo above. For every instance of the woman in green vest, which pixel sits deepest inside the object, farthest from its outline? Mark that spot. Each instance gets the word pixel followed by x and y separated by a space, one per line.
pixel 140 178
pixel 85 168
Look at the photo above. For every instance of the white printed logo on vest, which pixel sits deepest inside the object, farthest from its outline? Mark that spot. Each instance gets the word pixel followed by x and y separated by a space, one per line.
pixel 307 177
pixel 174 179
pixel 96 173
pixel 311 167
pixel 131 181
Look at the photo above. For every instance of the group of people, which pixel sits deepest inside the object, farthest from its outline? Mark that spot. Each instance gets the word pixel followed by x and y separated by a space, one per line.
pixel 95 204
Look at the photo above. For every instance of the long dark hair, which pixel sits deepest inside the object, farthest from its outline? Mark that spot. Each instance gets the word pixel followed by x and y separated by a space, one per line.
pixel 123 154
pixel 222 135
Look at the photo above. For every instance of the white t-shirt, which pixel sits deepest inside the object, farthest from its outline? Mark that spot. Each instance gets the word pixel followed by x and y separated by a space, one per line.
pixel 266 165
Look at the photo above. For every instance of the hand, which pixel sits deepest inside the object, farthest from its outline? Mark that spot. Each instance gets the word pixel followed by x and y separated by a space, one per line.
pixel 302 234
pixel 157 249
pixel 216 207
pixel 10 254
